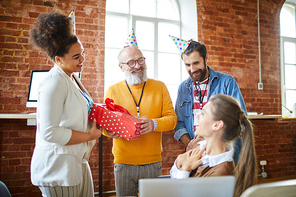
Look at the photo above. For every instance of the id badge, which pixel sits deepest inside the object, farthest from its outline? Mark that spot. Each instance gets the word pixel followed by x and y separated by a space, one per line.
pixel 195 113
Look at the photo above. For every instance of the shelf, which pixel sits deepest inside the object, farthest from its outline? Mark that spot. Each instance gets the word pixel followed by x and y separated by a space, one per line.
pixel 264 117
pixel 18 116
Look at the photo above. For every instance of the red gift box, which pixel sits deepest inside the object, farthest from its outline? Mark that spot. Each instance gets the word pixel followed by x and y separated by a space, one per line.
pixel 116 119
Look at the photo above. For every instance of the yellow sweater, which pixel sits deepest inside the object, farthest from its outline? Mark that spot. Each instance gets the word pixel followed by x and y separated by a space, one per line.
pixel 156 104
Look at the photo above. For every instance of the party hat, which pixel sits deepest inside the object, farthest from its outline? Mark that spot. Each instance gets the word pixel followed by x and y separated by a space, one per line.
pixel 180 43
pixel 72 21
pixel 131 40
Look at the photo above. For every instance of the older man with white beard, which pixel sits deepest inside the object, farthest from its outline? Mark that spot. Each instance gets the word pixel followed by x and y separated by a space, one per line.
pixel 149 100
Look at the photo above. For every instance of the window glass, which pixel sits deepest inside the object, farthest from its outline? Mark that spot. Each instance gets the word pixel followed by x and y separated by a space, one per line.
pixel 112 37
pixel 168 9
pixel 153 21
pixel 287 21
pixel 145 35
pixel 173 92
pixel 113 73
pixel 143 8
pixel 165 43
pixel 185 74
pixel 149 55
pixel 121 6
pixel 290 98
pixel 288 53
pixel 290 73
pixel 168 68
pixel 289 48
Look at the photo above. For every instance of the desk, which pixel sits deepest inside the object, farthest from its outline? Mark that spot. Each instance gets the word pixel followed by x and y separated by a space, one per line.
pixel 264 117
pixel 31 118
pixel 18 116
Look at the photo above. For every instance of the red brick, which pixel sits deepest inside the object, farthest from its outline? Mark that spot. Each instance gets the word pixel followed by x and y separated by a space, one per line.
pixel 29 20
pixel 11 26
pixel 11 46
pixel 18 59
pixel 11 66
pixel 14 162
pixel 23 40
pixel 25 27
pixel 8 73
pixel 33 14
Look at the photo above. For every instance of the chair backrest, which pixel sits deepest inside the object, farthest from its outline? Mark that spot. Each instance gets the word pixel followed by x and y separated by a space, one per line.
pixel 275 189
pixel 202 186
pixel 4 192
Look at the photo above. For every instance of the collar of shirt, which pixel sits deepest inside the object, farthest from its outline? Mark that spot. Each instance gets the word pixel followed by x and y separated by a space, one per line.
pixel 215 160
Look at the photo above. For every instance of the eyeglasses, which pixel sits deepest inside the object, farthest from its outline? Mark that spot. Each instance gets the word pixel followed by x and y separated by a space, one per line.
pixel 132 63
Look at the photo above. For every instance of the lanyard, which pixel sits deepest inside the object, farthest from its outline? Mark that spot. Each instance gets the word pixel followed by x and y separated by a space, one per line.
pixel 200 96
pixel 87 98
pixel 137 104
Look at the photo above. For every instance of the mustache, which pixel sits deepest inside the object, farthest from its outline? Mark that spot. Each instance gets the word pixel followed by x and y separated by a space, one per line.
pixel 139 69
pixel 197 71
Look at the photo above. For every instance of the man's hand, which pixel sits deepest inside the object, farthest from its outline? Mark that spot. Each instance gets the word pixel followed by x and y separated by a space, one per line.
pixel 147 125
pixel 185 140
pixel 112 135
pixel 193 143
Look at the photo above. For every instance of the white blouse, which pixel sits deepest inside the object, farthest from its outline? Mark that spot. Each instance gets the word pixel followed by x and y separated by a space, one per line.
pixel 207 160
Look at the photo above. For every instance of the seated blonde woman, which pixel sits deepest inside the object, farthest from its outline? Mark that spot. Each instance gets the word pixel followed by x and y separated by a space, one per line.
pixel 220 123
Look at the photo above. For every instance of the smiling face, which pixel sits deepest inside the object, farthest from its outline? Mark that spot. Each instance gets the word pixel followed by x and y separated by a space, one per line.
pixel 206 121
pixel 195 66
pixel 210 127
pixel 73 60
pixel 137 74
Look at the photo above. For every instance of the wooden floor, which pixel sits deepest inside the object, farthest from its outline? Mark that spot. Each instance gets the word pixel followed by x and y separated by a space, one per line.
pixel 260 181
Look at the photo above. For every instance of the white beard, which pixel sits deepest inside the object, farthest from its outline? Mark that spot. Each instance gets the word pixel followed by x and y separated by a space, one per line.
pixel 136 79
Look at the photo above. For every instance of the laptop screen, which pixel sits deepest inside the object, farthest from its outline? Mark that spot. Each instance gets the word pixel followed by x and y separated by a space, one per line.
pixel 191 187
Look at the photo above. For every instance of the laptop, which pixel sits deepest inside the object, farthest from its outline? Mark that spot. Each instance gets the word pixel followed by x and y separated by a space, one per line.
pixel 215 186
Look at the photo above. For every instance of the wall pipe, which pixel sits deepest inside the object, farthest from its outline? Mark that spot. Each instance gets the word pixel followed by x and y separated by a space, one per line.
pixel 259 46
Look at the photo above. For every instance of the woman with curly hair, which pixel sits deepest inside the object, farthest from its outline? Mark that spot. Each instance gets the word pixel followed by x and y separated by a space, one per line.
pixel 220 123
pixel 64 136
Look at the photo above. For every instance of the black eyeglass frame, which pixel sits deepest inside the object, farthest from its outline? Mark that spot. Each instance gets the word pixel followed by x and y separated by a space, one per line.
pixel 132 63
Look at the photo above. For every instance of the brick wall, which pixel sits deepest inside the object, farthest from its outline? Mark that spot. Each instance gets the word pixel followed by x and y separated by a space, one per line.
pixel 229 30
pixel 18 58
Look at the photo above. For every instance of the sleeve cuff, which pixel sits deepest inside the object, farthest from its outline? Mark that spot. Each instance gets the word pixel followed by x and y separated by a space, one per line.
pixel 179 133
pixel 155 124
pixel 177 173
pixel 67 134
pixel 183 174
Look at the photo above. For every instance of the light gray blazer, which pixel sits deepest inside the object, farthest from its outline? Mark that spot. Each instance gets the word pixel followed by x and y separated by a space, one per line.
pixel 61 108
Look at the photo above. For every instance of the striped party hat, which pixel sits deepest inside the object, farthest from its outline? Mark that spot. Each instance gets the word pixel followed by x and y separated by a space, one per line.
pixel 131 40
pixel 180 43
pixel 72 21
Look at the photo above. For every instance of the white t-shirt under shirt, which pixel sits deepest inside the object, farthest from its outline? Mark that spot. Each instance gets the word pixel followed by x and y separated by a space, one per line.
pixel 200 98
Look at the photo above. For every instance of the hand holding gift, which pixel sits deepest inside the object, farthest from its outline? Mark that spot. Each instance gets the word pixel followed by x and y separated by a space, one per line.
pixel 147 125
pixel 116 119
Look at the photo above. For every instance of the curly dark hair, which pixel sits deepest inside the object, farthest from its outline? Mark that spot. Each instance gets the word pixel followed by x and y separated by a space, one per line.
pixel 52 34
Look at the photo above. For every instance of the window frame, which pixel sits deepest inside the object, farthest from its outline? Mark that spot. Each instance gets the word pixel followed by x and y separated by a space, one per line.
pixel 283 39
pixel 187 16
pixel 283 65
